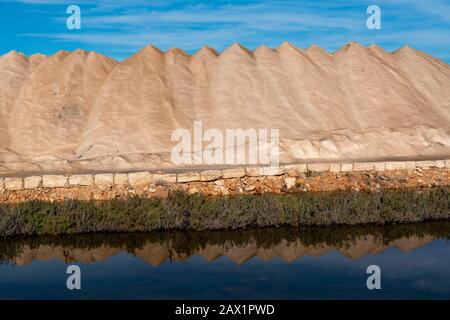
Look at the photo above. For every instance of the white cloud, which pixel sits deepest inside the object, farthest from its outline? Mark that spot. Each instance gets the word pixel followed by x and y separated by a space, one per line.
pixel 112 26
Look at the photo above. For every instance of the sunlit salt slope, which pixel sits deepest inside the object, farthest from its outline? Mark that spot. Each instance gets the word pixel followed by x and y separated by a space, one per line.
pixel 81 110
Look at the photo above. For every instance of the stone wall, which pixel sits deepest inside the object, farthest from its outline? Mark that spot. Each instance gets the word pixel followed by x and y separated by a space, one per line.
pixel 240 180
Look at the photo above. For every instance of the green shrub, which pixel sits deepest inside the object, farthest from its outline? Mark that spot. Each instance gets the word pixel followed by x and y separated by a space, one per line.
pixel 181 211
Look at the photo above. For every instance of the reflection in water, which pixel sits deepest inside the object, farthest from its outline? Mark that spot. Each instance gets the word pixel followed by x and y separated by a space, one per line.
pixel 289 244
pixel 218 265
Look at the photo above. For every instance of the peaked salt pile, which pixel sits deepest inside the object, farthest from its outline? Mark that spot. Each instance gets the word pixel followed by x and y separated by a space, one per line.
pixel 81 110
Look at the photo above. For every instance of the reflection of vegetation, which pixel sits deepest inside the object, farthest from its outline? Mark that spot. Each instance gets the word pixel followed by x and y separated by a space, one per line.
pixel 195 212
pixel 186 243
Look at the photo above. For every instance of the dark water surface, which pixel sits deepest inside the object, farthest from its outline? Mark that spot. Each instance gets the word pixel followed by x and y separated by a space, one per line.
pixel 285 263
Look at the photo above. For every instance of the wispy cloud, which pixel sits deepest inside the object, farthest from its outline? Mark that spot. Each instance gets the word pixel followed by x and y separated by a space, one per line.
pixel 125 26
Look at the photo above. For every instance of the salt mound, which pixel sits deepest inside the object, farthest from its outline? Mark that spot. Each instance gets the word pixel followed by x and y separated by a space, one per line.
pixel 81 110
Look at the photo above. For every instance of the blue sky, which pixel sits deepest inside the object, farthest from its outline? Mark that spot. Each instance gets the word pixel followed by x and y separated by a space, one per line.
pixel 120 28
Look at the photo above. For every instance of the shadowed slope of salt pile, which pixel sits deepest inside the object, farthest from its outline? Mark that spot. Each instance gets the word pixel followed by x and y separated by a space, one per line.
pixel 84 111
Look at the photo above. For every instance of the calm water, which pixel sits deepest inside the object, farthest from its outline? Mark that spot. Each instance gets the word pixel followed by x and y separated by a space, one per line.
pixel 271 263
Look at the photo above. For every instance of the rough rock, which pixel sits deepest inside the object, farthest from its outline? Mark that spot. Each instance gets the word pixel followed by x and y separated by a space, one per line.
pixel 290 182
pixel 220 182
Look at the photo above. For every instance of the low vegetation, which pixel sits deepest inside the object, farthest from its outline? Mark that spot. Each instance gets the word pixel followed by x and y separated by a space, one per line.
pixel 181 211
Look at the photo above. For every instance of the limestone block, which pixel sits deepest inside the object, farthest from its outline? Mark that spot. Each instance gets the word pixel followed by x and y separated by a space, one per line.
pixel 104 179
pixel 32 182
pixel 13 183
pixel 410 165
pixel 164 178
pixel 233 173
pixel 272 171
pixel 379 166
pixel 396 165
pixel 54 181
pixel 335 167
pixel 319 167
pixel 81 180
pixel 440 164
pixel 253 171
pixel 188 177
pixel 120 179
pixel 369 166
pixel 346 167
pixel 264 171
pixel 140 179
pixel 362 166
pixel 297 167
pixel 426 164
pixel 210 175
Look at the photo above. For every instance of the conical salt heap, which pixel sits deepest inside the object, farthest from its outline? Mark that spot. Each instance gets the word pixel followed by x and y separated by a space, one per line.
pixel 82 110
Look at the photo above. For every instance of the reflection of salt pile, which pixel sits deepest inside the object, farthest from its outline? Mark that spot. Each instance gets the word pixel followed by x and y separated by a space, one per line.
pixel 97 113
pixel 47 252
pixel 156 253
